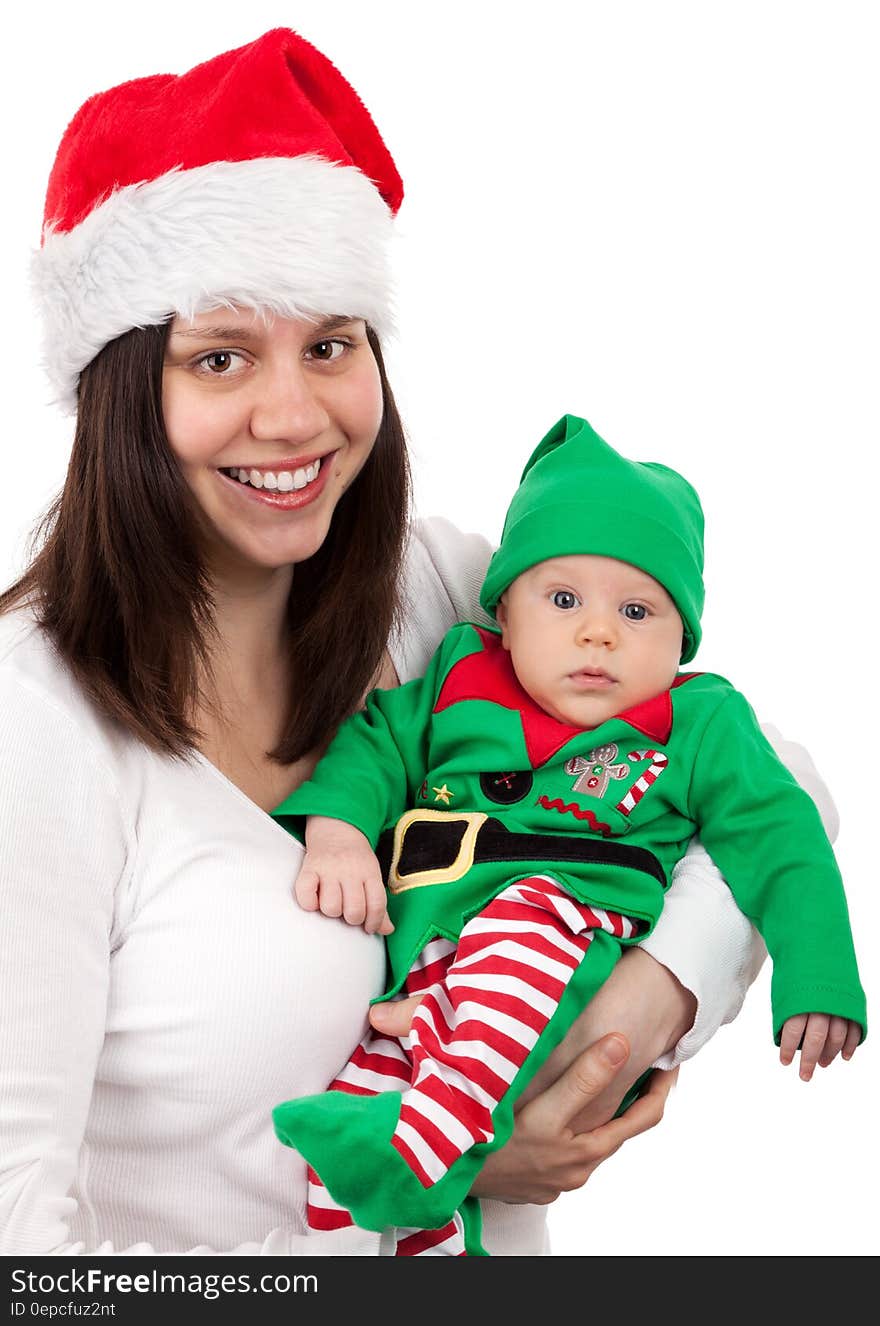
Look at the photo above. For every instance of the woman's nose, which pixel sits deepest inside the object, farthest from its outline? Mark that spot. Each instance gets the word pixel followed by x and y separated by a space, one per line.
pixel 288 407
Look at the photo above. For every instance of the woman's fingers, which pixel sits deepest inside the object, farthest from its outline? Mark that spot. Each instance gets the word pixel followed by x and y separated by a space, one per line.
pixel 644 1113
pixel 603 1141
pixel 581 1082
pixel 545 1158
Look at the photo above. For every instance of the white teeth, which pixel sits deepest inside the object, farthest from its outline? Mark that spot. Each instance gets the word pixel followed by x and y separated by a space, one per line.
pixel 281 481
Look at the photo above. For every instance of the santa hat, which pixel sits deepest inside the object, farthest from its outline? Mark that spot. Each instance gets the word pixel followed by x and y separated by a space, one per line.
pixel 257 178
pixel 578 495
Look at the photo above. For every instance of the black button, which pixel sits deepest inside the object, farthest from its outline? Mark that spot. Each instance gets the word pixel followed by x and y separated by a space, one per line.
pixel 506 788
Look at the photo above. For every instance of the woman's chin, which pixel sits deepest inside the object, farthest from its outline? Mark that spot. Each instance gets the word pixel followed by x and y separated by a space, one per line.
pixel 249 561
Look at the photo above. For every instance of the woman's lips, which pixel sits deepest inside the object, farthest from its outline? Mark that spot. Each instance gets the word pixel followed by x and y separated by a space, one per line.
pixel 291 501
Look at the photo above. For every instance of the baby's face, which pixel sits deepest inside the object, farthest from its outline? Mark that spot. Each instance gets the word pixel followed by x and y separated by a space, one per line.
pixel 590 636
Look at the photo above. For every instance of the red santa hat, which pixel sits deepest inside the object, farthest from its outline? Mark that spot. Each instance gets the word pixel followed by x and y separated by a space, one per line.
pixel 257 178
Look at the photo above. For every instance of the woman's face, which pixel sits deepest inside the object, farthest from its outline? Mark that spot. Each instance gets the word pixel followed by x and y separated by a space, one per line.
pixel 270 420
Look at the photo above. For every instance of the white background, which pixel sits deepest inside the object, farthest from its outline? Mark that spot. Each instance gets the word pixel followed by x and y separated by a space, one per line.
pixel 663 217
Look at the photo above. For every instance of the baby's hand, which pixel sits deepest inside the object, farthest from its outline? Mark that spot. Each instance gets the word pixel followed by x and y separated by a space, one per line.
pixel 340 876
pixel 821 1038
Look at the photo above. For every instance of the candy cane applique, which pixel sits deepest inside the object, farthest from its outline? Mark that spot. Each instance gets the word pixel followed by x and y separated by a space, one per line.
pixel 658 763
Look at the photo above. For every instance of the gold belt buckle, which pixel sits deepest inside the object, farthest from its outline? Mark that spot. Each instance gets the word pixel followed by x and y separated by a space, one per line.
pixel 445 874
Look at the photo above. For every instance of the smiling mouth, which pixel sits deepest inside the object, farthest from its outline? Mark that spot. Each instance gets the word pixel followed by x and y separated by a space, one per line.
pixel 282 481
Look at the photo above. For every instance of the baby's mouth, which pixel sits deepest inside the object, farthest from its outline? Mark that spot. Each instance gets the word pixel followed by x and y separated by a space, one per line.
pixel 593 677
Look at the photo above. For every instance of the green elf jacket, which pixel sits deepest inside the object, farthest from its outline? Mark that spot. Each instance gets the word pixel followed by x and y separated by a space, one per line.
pixel 458 776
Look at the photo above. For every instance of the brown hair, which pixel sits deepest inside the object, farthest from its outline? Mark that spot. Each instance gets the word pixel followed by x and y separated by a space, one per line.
pixel 120 586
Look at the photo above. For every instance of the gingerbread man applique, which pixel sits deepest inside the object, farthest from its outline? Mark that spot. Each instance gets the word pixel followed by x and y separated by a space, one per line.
pixel 596 769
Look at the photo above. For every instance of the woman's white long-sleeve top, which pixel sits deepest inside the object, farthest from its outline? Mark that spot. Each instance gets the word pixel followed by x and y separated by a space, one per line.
pixel 160 991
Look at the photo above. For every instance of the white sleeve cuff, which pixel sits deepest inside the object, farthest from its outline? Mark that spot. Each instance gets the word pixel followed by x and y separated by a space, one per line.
pixel 514 1230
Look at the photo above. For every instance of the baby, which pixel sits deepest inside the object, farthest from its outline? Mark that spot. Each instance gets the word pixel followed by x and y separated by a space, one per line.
pixel 527 799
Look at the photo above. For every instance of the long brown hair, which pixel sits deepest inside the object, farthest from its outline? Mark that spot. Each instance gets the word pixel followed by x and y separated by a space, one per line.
pixel 120 586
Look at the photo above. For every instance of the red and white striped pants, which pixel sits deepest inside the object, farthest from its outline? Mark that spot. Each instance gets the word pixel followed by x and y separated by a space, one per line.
pixel 486 1001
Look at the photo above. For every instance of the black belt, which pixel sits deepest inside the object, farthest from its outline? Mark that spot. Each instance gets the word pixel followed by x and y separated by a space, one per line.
pixel 433 840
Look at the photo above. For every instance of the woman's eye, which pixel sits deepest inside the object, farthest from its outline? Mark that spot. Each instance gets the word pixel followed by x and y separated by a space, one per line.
pixel 635 612
pixel 327 351
pixel 218 362
pixel 564 598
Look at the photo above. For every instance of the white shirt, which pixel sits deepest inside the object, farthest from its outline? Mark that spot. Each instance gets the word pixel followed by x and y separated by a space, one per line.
pixel 160 991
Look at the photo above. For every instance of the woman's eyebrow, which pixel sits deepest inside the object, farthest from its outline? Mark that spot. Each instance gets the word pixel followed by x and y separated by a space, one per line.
pixel 334 323
pixel 216 333
pixel 219 333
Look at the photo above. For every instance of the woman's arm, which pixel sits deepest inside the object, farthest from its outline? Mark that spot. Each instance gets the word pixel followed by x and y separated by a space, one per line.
pixel 63 852
pixel 63 866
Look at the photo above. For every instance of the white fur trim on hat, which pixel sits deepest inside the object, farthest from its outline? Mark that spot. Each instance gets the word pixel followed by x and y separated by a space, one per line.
pixel 297 236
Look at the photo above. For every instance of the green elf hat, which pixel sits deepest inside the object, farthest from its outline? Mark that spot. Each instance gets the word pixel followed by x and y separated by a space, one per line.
pixel 578 495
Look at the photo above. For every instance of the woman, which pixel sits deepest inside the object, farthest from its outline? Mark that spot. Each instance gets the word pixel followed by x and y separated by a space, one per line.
pixel 227 571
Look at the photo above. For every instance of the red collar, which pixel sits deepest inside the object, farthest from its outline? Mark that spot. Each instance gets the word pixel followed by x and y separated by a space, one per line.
pixel 489 675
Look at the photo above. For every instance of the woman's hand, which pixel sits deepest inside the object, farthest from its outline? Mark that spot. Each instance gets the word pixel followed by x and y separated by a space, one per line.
pixel 649 1007
pixel 564 1124
pixel 546 1155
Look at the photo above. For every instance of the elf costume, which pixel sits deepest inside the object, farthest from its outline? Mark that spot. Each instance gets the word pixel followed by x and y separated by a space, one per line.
pixel 522 854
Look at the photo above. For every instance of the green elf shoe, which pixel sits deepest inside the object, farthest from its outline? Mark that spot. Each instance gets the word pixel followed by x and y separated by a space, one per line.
pixel 347 1141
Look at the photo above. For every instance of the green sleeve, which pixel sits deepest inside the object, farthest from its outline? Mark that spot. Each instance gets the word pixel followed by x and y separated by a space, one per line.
pixel 765 835
pixel 373 767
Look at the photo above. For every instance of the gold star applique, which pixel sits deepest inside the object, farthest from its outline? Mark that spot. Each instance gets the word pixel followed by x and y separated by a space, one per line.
pixel 443 794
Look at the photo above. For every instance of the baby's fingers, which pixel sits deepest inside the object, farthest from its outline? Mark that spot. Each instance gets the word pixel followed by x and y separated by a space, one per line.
pixel 330 897
pixel 853 1039
pixel 305 889
pixel 377 919
pixel 815 1038
pixel 354 904
pixel 792 1031
pixel 834 1042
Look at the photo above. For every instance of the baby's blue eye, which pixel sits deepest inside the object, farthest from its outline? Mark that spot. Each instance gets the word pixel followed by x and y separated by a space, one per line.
pixel 635 612
pixel 563 598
